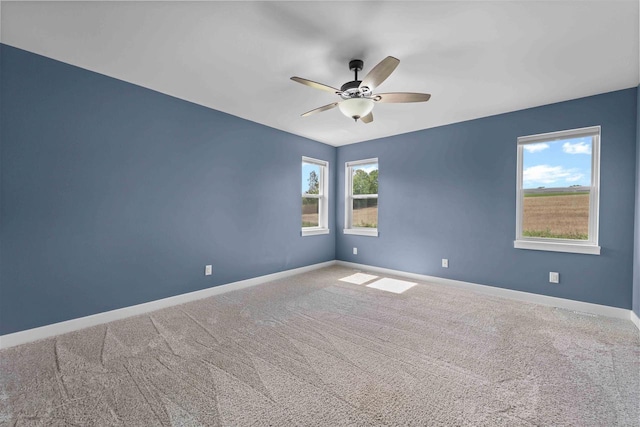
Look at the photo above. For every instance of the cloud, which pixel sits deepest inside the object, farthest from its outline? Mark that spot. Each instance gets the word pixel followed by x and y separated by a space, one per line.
pixel 574 178
pixel 545 174
pixel 577 148
pixel 534 148
pixel 368 168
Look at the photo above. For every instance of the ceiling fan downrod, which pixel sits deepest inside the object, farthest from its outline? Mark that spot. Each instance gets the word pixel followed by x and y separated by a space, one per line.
pixel 356 65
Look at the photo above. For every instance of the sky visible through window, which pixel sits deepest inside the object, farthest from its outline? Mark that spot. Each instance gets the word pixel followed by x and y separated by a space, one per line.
pixel 554 164
pixel 307 168
pixel 367 168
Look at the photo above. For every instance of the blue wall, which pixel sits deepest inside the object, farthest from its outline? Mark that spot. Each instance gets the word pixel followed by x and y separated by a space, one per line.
pixel 114 195
pixel 449 192
pixel 636 258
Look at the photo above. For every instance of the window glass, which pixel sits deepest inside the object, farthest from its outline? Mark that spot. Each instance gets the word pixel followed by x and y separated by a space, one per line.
pixel 310 212
pixel 361 197
pixel 365 213
pixel 314 185
pixel 556 182
pixel 365 179
pixel 310 178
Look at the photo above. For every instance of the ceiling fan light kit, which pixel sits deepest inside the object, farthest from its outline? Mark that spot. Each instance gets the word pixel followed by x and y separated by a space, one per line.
pixel 357 96
pixel 356 107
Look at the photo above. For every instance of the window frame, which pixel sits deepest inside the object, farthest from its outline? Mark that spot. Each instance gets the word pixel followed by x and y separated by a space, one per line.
pixel 349 197
pixel 322 196
pixel 590 246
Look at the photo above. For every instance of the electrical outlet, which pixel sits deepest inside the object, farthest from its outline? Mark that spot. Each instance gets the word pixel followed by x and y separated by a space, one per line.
pixel 554 277
pixel 355 251
pixel 208 270
pixel 445 263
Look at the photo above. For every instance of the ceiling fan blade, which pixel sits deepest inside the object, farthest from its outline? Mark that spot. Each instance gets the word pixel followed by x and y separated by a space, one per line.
pixel 400 97
pixel 321 109
pixel 316 85
pixel 380 72
pixel 367 119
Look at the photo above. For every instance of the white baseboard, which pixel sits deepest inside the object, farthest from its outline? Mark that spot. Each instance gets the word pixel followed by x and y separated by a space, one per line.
pixel 22 337
pixel 634 318
pixel 585 307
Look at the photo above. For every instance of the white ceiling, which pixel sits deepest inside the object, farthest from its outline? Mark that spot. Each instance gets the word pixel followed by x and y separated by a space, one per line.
pixel 475 58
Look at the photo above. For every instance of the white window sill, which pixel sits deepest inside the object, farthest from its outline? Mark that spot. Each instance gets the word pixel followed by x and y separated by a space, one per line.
pixel 372 232
pixel 574 248
pixel 314 231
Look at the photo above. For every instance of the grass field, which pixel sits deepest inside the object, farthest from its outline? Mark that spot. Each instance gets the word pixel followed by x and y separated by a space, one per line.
pixel 363 217
pixel 366 217
pixel 310 220
pixel 556 215
pixel 554 194
pixel 310 212
pixel 552 215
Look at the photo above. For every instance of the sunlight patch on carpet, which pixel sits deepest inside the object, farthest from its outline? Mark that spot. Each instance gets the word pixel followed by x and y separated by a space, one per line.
pixel 391 285
pixel 359 278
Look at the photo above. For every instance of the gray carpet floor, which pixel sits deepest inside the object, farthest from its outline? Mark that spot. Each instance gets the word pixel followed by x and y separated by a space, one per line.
pixel 311 350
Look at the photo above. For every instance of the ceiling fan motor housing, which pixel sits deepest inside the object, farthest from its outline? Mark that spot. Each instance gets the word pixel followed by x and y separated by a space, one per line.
pixel 350 85
pixel 352 89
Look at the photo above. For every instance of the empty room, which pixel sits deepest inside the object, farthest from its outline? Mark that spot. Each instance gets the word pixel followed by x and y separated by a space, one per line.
pixel 317 213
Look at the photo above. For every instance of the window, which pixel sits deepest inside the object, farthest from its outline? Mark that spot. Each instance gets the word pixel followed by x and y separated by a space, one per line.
pixel 361 197
pixel 558 191
pixel 315 204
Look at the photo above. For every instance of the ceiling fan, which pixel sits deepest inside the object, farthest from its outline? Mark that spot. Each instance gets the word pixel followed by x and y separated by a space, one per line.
pixel 357 96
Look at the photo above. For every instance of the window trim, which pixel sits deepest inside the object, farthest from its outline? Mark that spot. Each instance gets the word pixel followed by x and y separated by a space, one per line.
pixel 348 197
pixel 590 246
pixel 323 199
